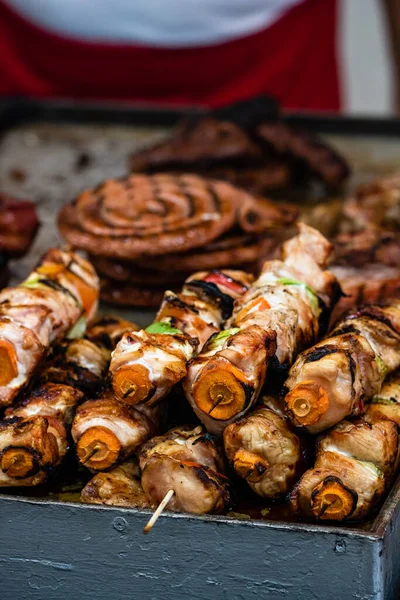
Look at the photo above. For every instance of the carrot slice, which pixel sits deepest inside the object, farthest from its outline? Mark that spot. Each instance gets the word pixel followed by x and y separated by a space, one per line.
pixel 18 462
pixel 98 448
pixel 87 294
pixel 308 402
pixel 8 362
pixel 132 384
pixel 249 465
pixel 331 499
pixel 219 391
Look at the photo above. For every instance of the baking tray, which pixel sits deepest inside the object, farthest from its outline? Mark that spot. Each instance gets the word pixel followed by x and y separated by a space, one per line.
pixel 49 151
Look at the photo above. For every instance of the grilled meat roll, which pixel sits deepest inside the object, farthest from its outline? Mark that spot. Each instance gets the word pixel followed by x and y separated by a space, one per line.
pixel 108 330
pixel 83 363
pixel 50 400
pixel 145 365
pixel 119 487
pixel 50 304
pixel 57 403
pixel 28 449
pixel 188 462
pixel 107 432
pixel 335 377
pixel 355 462
pixel 80 364
pixel 263 449
pixel 224 380
pixel 279 315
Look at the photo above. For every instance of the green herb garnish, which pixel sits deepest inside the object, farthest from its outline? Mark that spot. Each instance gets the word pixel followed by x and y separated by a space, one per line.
pixel 78 330
pixel 162 327
pixel 386 401
pixel 220 338
pixel 381 365
pixel 312 296
pixel 33 281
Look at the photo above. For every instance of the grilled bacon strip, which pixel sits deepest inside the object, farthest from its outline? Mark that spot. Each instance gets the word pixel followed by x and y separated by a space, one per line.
pixel 264 450
pixel 278 316
pixel 187 461
pixel 107 432
pixel 28 449
pixel 56 300
pixel 145 365
pixel 355 463
pixel 334 378
pixel 119 487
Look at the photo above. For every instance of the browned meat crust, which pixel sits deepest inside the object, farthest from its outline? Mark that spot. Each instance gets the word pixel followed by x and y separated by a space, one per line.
pixel 119 294
pixel 205 144
pixel 306 151
pixel 119 487
pixel 266 156
pixel 369 284
pixel 150 215
pixel 236 252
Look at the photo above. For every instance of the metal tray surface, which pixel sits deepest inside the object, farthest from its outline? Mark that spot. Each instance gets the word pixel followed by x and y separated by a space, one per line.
pixel 49 152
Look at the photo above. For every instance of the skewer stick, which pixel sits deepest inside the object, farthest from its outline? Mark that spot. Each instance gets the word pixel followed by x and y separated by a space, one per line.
pixel 158 511
pixel 89 456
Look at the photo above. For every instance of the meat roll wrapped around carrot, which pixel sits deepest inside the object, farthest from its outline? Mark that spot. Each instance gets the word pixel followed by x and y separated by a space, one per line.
pixel 107 432
pixel 284 310
pixel 225 379
pixel 265 451
pixel 146 364
pixel 57 403
pixel 188 462
pixel 119 487
pixel 56 300
pixel 28 449
pixel 355 463
pixel 83 363
pixel 334 378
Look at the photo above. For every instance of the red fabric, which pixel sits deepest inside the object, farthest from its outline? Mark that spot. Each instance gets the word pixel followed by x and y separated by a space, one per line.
pixel 294 60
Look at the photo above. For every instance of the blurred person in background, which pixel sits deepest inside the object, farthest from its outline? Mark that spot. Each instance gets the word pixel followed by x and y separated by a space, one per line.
pixel 209 52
